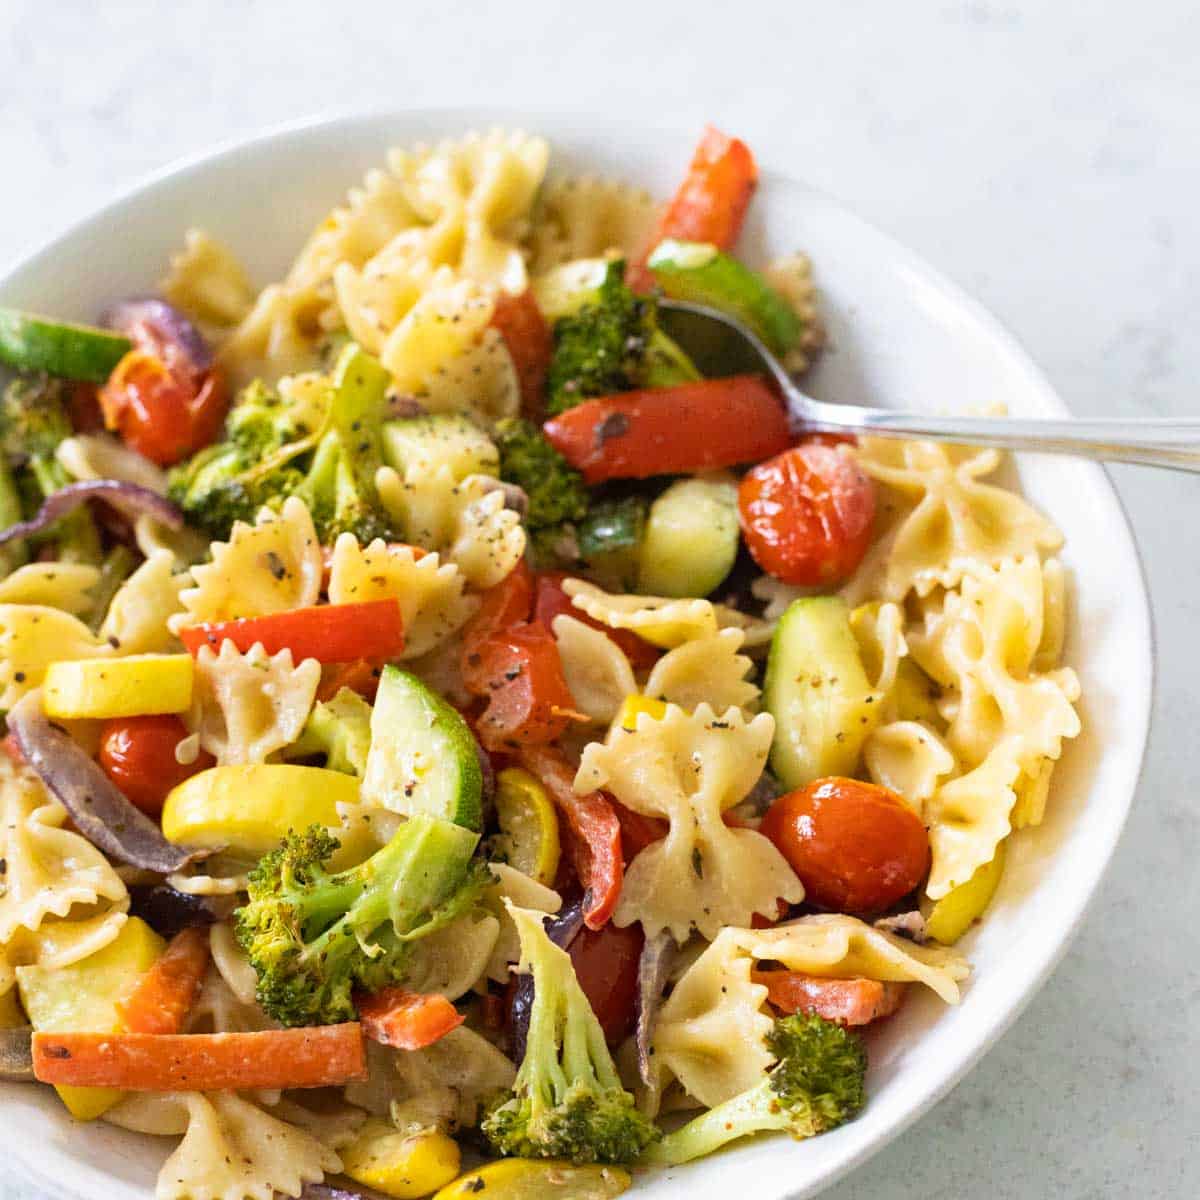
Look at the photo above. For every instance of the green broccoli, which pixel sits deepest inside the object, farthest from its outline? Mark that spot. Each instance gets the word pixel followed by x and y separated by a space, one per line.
pixel 340 729
pixel 315 938
pixel 567 1100
pixel 612 344
pixel 33 422
pixel 323 445
pixel 555 489
pixel 816 1085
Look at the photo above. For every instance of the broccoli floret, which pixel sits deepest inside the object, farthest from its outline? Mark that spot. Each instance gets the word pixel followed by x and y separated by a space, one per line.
pixel 612 344
pixel 567 1100
pixel 33 422
pixel 555 489
pixel 326 453
pixel 315 938
pixel 340 729
pixel 816 1085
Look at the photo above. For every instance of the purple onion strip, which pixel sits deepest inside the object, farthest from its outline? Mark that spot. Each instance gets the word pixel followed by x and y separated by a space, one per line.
pixel 165 321
pixel 129 499
pixel 654 965
pixel 100 810
pixel 168 911
pixel 561 930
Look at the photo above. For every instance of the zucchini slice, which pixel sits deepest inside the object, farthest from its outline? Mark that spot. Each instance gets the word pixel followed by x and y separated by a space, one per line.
pixel 817 690
pixel 423 756
pixel 32 343
pixel 691 538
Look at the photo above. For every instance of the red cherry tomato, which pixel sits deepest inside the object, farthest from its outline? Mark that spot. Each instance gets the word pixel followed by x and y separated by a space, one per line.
pixel 138 755
pixel 806 514
pixel 606 965
pixel 162 413
pixel 856 847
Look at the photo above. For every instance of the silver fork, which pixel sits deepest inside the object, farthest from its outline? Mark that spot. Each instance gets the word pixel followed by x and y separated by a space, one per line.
pixel 713 337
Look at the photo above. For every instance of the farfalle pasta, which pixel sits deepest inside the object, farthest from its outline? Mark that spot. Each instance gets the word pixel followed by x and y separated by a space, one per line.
pixel 688 769
pixel 484 716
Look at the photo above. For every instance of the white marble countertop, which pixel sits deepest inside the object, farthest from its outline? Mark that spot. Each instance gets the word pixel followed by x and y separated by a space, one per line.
pixel 1044 156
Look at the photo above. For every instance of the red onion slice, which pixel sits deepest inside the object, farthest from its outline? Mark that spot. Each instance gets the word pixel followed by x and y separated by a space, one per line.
pixel 98 808
pixel 129 499
pixel 653 967
pixel 561 930
pixel 160 328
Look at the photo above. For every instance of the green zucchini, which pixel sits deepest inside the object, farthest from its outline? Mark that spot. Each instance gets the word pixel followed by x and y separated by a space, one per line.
pixel 439 439
pixel 32 343
pixel 817 690
pixel 704 275
pixel 691 537
pixel 423 756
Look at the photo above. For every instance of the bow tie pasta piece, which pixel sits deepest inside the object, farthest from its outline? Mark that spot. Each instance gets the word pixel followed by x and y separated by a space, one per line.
pixel 464 520
pixel 599 676
pixel 835 946
pixel 138 615
pixel 709 1032
pixel 247 706
pixel 909 758
pixel 452 960
pixel 62 585
pixel 705 670
pixel 33 636
pixel 57 944
pixel 430 592
pixel 281 335
pixel 954 519
pixel 207 283
pixel 586 217
pixel 354 233
pixel 982 644
pixel 597 672
pixel 271 566
pixel 233 1150
pixel 48 869
pixel 662 621
pixel 690 768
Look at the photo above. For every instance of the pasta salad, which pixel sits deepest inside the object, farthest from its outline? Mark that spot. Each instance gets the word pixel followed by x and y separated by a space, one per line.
pixel 447 715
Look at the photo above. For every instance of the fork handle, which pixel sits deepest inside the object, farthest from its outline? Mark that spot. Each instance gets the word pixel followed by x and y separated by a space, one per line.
pixel 1148 442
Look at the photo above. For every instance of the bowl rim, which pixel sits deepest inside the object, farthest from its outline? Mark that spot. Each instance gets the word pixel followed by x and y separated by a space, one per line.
pixel 533 117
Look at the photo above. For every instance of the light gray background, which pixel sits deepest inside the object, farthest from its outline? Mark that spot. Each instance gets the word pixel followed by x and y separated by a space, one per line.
pixel 1043 154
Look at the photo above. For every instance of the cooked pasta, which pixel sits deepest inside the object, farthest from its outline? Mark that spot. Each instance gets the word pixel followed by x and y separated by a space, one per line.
pixel 413 663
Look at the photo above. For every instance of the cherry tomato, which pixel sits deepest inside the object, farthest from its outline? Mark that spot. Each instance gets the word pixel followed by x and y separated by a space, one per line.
pixel 161 413
pixel 856 847
pixel 806 514
pixel 138 755
pixel 509 603
pixel 606 965
pixel 520 674
pixel 551 601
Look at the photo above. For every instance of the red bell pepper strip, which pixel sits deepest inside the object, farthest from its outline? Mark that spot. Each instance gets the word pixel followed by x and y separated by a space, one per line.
pixel 324 1056
pixel 330 633
pixel 551 601
pixel 597 832
pixel 163 997
pixel 509 603
pixel 361 676
pixel 672 431
pixel 407 1020
pixel 710 204
pixel 846 1001
pixel 530 343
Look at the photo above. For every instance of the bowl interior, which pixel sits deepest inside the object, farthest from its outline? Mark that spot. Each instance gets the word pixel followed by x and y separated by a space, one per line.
pixel 899 336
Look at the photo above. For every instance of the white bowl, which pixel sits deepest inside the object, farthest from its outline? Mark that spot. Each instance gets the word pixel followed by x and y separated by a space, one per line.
pixel 900 335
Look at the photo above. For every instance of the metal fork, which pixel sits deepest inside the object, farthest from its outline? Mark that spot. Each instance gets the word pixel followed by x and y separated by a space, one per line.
pixel 713 337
